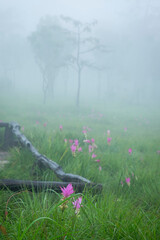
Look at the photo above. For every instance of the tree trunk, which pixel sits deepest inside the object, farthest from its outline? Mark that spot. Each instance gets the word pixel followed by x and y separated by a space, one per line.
pixel 99 86
pixel 45 88
pixel 79 87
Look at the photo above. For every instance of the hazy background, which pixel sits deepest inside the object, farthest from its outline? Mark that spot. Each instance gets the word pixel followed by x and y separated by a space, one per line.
pixel 129 29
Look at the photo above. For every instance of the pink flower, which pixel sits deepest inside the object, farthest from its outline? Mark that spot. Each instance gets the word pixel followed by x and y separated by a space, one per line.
pixel 109 140
pixel 122 183
pixel 94 155
pixel 158 152
pixel 97 160
pixel 66 192
pixel 84 131
pixel 108 132
pixel 90 148
pixel 77 204
pixel 61 127
pixel 76 142
pixel 22 128
pixel 130 150
pixel 125 129
pixel 45 124
pixel 92 140
pixel 37 122
pixel 100 168
pixel 128 181
pixel 65 140
pixel 70 141
pixel 73 148
pixel 80 149
pixel 1 121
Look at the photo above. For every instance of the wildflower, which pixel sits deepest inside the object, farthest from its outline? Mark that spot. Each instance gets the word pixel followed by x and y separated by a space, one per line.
pixel 109 140
pixel 92 140
pixel 158 152
pixel 37 122
pixel 100 168
pixel 128 181
pixel 94 155
pixel 61 127
pixel 90 148
pixel 84 131
pixel 45 124
pixel 130 150
pixel 97 160
pixel 125 129
pixel 122 183
pixel 70 141
pixel 79 149
pixel 76 142
pixel 77 204
pixel 65 140
pixel 66 192
pixel 108 132
pixel 73 148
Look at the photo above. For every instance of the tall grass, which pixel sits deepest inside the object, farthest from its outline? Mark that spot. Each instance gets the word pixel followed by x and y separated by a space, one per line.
pixel 120 211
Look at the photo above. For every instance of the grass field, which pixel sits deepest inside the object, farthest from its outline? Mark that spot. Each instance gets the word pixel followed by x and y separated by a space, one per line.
pixel 126 161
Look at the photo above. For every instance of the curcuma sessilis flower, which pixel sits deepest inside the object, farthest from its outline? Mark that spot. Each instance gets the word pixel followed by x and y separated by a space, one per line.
pixel 94 155
pixel 73 149
pixel 109 140
pixel 128 180
pixel 66 192
pixel 76 142
pixel 79 149
pixel 77 204
pixel 130 150
pixel 108 133
pixel 61 127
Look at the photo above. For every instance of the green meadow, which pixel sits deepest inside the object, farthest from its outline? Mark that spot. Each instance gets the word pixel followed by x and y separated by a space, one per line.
pixel 128 206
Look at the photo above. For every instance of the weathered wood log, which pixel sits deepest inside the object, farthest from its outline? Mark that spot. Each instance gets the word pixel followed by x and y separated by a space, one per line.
pixel 16 185
pixel 4 124
pixel 9 139
pixel 43 160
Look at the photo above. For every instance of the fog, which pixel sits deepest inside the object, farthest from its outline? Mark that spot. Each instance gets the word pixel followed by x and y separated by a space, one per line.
pixel 117 58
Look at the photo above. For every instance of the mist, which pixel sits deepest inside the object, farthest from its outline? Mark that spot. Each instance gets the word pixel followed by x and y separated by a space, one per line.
pixel 79 119
pixel 123 66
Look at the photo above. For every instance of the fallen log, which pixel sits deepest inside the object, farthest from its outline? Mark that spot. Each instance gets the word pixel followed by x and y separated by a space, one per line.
pixel 13 130
pixel 17 185
pixel 8 136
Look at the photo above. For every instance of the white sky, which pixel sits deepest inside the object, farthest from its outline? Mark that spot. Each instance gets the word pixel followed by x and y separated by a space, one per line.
pixel 28 12
pixel 109 13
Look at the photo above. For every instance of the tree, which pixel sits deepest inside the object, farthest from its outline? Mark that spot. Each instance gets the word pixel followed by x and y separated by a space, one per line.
pixel 52 45
pixel 84 45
